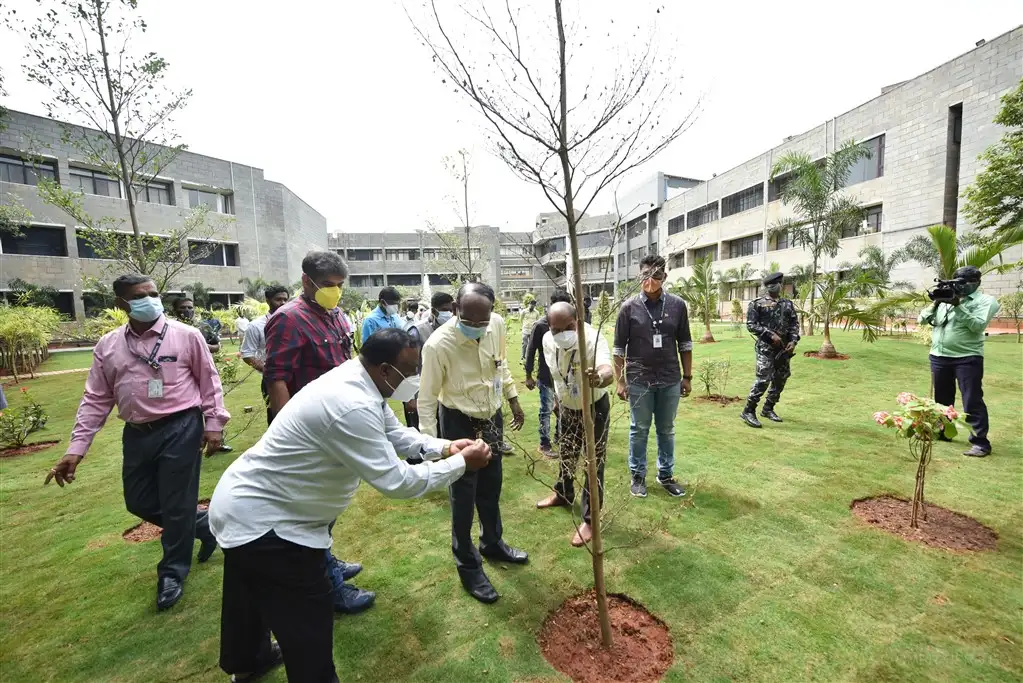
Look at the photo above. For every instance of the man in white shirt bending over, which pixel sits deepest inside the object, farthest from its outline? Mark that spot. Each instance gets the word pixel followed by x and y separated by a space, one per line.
pixel 272 508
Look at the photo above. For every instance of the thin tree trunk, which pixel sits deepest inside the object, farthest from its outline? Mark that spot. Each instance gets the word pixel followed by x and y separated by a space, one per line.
pixel 813 298
pixel 827 349
pixel 597 544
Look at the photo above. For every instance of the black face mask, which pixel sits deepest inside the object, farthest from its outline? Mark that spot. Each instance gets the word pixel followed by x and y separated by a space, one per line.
pixel 186 315
pixel 773 288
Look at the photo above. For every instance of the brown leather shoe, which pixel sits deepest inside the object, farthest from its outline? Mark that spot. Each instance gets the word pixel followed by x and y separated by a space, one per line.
pixel 552 501
pixel 583 535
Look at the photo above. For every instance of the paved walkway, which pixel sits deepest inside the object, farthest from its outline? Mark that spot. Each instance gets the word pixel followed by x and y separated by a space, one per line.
pixel 9 379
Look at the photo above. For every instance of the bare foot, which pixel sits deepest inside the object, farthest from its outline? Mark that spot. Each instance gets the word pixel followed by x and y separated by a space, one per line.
pixel 552 501
pixel 583 535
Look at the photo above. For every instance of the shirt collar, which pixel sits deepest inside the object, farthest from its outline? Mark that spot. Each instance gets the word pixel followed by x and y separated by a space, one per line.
pixel 152 331
pixel 647 299
pixel 371 387
pixel 315 307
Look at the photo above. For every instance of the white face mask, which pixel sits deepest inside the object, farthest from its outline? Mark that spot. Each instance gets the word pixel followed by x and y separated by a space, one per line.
pixel 391 309
pixel 406 390
pixel 566 340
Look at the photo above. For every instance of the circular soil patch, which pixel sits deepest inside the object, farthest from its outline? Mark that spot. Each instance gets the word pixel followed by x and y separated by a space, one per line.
pixel 943 529
pixel 27 448
pixel 817 355
pixel 142 532
pixel 719 399
pixel 570 641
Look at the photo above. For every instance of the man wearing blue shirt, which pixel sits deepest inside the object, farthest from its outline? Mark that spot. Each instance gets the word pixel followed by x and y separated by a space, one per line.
pixel 384 315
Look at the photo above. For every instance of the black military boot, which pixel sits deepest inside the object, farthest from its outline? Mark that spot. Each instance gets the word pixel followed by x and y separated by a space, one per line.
pixel 749 415
pixel 769 413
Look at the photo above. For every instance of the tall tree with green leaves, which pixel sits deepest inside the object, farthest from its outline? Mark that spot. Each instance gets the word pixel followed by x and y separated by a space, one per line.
pixel 700 292
pixel 814 191
pixel 84 53
pixel 942 250
pixel 837 305
pixel 995 199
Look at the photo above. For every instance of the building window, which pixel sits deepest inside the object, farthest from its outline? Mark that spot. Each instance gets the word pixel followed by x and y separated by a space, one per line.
pixel 636 228
pixel 213 201
pixel 705 214
pixel 595 266
pixel 365 255
pixel 636 255
pixel 517 272
pixel 749 198
pixel 782 241
pixel 676 224
pixel 871 223
pixel 15 170
pixel 747 246
pixel 154 193
pixel 594 240
pixel 402 254
pixel 35 240
pixel 221 253
pixel 704 252
pixel 552 246
pixel 517 251
pixel 94 182
pixel 868 168
pixel 621 260
pixel 678 260
pixel 405 280
pixel 441 280
pixel 777 185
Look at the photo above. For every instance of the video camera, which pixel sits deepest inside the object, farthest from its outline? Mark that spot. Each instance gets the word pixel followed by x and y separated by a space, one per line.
pixel 947 291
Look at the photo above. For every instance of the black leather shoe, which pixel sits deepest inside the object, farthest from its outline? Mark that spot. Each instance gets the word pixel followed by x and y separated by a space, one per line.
pixel 502 552
pixel 770 414
pixel 206 549
pixel 750 419
pixel 168 592
pixel 478 586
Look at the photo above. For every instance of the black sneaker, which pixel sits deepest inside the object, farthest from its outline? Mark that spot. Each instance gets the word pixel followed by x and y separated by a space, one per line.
pixel 672 486
pixel 638 488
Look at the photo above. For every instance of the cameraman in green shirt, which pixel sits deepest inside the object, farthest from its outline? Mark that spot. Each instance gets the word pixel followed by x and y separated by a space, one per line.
pixel 957 352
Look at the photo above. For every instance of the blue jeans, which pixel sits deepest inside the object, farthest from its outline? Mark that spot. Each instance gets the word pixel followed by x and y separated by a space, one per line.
pixel 546 407
pixel 658 404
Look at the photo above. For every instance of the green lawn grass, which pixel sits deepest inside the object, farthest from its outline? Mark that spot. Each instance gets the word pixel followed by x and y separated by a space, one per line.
pixel 768 578
pixel 67 360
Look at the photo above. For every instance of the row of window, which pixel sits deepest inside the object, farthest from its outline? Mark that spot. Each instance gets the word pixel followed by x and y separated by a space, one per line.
pixel 15 170
pixel 40 240
pixel 406 254
pixel 516 272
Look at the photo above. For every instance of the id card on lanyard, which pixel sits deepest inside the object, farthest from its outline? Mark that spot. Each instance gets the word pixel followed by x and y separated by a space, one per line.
pixel 498 384
pixel 569 376
pixel 154 387
pixel 657 339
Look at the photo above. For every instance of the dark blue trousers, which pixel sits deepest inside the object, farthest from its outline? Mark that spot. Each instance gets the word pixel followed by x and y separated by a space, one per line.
pixel 968 372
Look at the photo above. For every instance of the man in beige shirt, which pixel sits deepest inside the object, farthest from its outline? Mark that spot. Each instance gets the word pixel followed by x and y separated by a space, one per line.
pixel 466 375
pixel 561 348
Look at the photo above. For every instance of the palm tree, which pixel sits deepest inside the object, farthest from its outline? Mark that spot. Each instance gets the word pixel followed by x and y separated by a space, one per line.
pixel 700 292
pixel 879 267
pixel 772 267
pixel 943 251
pixel 255 289
pixel 822 209
pixel 743 274
pixel 837 305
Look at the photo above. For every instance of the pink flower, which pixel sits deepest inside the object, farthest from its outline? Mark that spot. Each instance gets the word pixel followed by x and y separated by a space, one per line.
pixel 951 413
pixel 898 421
pixel 905 397
pixel 880 417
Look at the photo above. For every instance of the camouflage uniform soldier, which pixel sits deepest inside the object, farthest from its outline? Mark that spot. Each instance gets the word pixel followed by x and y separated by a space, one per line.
pixel 773 321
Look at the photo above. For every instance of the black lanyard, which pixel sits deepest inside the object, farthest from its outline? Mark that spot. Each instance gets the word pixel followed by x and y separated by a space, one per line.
pixel 656 322
pixel 151 360
pixel 571 360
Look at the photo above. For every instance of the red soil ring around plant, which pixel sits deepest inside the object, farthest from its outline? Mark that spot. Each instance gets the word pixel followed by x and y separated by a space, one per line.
pixel 943 529
pixel 817 355
pixel 144 531
pixel 570 642
pixel 27 448
pixel 719 399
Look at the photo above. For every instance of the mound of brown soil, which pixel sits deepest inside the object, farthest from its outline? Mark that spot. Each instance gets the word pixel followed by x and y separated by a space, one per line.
pixel 570 641
pixel 943 529
pixel 142 532
pixel 27 448
pixel 719 399
pixel 815 354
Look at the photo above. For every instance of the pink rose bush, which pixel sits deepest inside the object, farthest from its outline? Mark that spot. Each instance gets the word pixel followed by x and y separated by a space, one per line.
pixel 921 418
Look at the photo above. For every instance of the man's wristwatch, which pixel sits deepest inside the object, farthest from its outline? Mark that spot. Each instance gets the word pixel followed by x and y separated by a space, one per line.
pixel 689 377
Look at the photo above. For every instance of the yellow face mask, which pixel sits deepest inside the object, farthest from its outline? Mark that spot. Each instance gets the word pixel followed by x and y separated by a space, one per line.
pixel 328 297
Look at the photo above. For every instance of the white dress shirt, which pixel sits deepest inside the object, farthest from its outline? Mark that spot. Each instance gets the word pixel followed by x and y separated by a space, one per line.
pixel 254 339
pixel 304 471
pixel 564 367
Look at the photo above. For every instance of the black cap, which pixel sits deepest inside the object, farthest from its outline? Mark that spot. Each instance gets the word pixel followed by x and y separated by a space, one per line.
pixel 773 277
pixel 968 273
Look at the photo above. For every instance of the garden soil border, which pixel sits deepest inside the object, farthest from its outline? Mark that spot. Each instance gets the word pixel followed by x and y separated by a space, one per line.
pixel 570 641
pixel 719 399
pixel 818 356
pixel 28 448
pixel 144 531
pixel 944 528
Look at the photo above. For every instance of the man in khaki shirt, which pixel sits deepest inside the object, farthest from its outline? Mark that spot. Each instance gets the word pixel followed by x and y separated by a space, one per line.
pixel 561 348
pixel 466 374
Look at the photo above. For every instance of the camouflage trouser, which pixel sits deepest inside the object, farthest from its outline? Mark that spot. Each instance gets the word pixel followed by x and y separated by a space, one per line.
pixel 770 372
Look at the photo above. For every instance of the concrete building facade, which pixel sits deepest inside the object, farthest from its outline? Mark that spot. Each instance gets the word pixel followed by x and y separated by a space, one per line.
pixel 263 229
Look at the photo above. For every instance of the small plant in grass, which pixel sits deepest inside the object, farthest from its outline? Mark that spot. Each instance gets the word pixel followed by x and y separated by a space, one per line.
pixel 920 421
pixel 17 423
pixel 227 366
pixel 1012 307
pixel 738 318
pixel 35 412
pixel 713 375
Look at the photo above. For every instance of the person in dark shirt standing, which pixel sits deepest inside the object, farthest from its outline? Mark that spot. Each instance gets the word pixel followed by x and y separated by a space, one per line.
pixel 587 302
pixel 306 338
pixel 548 400
pixel 651 335
pixel 773 321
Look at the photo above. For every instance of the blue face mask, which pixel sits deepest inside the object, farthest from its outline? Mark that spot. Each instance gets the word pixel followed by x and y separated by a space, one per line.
pixel 471 332
pixel 146 309
pixel 443 317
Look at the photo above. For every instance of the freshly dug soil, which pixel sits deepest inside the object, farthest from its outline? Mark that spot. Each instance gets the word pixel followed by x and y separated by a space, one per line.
pixel 815 354
pixel 570 641
pixel 718 398
pixel 142 532
pixel 943 529
pixel 27 448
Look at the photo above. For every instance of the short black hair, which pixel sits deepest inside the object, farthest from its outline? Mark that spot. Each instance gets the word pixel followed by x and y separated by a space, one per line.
pixel 180 300
pixel 441 299
pixel 273 290
pixel 654 261
pixel 389 294
pixel 475 288
pixel 125 282
pixel 385 345
pixel 411 306
pixel 561 295
pixel 968 273
pixel 587 301
pixel 319 264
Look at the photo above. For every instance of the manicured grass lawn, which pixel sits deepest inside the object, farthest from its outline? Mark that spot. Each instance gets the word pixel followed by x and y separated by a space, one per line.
pixel 767 578
pixel 67 360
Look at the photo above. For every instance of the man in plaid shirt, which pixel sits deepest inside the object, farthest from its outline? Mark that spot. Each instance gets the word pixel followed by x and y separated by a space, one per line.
pixel 305 338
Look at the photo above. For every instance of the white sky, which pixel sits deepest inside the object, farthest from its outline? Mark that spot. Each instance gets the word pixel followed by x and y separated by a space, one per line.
pixel 338 100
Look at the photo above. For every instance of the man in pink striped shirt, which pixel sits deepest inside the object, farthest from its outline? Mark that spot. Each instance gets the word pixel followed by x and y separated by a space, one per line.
pixel 160 375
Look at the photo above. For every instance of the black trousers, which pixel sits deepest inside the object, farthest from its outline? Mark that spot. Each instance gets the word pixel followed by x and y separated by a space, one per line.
pixel 161 484
pixel 411 417
pixel 968 372
pixel 571 447
pixel 478 491
pixel 266 401
pixel 274 585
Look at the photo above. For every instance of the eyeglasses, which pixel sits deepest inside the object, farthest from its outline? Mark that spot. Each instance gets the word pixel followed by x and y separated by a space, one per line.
pixel 475 323
pixel 658 275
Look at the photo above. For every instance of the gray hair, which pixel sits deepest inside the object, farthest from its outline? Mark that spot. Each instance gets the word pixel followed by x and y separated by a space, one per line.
pixel 320 264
